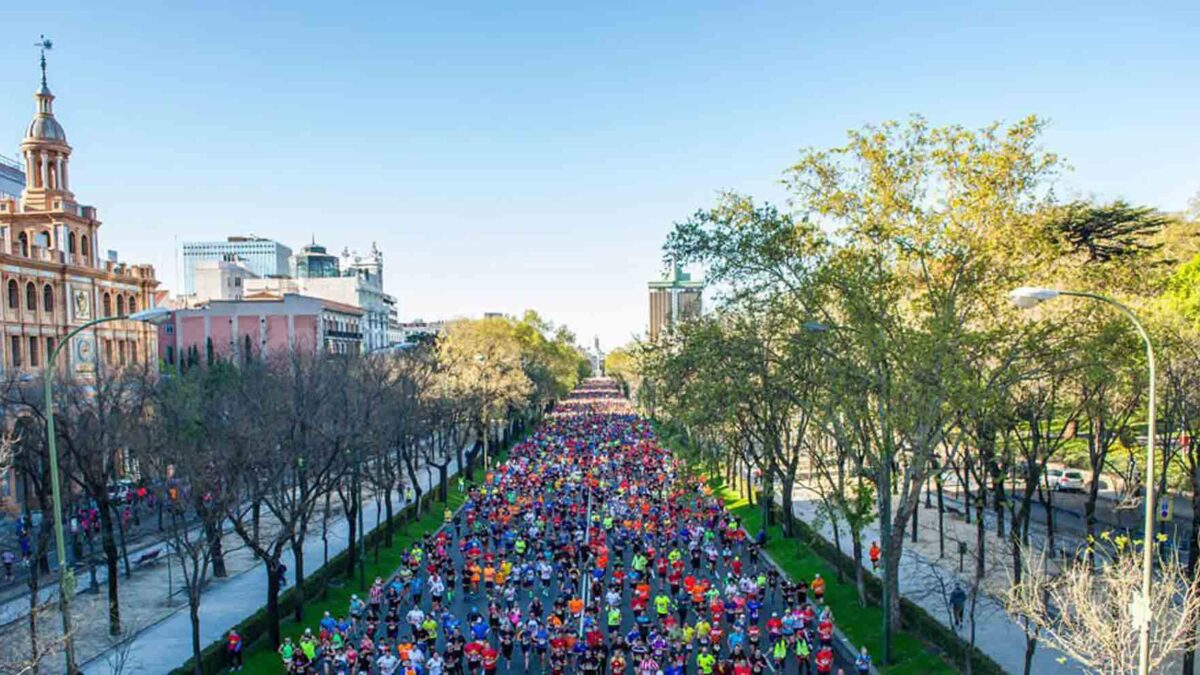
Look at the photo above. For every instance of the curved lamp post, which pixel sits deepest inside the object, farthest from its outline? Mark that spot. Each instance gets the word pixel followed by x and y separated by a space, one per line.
pixel 1028 296
pixel 66 575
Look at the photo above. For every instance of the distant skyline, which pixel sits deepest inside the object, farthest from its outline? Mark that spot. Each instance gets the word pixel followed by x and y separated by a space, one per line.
pixel 506 156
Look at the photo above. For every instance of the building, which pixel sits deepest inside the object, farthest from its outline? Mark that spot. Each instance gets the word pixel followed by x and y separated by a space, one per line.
pixel 314 262
pixel 53 277
pixel 220 280
pixel 262 256
pixel 675 298
pixel 351 279
pixel 12 178
pixel 415 331
pixel 259 324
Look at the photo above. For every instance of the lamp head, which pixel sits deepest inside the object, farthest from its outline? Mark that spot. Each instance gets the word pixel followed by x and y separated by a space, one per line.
pixel 154 315
pixel 1029 296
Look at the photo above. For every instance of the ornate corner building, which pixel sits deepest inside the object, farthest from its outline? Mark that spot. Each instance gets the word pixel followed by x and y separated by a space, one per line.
pixel 52 277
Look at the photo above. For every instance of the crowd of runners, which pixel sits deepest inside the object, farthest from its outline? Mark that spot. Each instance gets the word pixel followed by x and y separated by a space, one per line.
pixel 590 550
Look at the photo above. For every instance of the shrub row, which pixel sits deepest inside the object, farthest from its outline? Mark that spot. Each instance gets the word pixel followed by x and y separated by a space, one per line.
pixel 913 617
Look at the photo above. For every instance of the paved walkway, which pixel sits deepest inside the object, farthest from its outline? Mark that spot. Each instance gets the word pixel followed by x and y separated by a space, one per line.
pixel 167 644
pixel 927 582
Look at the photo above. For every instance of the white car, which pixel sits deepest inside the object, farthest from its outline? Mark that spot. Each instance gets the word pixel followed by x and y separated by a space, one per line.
pixel 1066 480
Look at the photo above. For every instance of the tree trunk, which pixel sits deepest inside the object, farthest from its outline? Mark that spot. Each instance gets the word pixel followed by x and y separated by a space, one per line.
pixel 298 577
pixel 941 507
pixel 860 582
pixel 124 545
pixel 194 615
pixel 273 603
pixel 915 524
pixel 837 544
pixel 111 564
pixel 212 531
pixel 786 500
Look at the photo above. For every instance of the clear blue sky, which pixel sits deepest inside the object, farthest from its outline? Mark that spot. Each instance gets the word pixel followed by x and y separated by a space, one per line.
pixel 512 155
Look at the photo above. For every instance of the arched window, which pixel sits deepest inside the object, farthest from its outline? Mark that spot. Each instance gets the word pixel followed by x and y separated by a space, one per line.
pixel 107 305
pixel 30 296
pixel 23 244
pixel 120 305
pixel 132 304
pixel 14 295
pixel 84 249
pixel 71 242
pixel 48 298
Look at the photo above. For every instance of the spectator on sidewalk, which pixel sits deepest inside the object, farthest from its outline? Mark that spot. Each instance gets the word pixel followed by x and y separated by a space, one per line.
pixel 8 559
pixel 875 555
pixel 958 600
pixel 863 663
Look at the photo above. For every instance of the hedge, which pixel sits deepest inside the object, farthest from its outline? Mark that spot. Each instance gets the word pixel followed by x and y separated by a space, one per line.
pixel 913 617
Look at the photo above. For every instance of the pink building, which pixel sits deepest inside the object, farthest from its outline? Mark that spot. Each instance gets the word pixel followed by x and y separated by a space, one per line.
pixel 262 323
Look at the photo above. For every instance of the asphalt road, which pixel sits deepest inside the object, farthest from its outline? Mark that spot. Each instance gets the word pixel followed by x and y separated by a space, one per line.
pixel 463 604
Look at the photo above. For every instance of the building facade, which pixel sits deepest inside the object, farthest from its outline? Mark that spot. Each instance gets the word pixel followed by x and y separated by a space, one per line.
pixel 51 273
pixel 350 279
pixel 673 299
pixel 260 324
pixel 12 178
pixel 262 256
pixel 220 280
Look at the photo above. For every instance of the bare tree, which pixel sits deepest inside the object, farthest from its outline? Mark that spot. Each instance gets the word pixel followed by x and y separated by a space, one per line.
pixel 1087 611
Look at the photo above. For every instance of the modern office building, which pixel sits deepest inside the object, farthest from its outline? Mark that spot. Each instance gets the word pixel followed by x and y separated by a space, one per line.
pixel 673 299
pixel 264 257
pixel 12 178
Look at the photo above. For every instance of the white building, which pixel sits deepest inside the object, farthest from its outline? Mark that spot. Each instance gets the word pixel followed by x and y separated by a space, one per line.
pixel 220 280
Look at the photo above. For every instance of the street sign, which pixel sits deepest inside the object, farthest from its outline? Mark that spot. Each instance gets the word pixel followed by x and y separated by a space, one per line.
pixel 1165 508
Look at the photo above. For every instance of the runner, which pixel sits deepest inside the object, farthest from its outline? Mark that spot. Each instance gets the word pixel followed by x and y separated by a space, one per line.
pixel 590 550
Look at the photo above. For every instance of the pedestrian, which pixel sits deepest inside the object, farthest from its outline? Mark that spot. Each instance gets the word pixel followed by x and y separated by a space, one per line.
pixel 8 559
pixel 233 647
pixel 958 601
pixel 875 555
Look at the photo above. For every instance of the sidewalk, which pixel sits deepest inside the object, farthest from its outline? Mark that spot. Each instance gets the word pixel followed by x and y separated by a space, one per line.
pixel 927 582
pixel 166 644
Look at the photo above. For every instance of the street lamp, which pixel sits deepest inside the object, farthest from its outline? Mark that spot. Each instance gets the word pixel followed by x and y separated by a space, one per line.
pixel 1028 296
pixel 66 575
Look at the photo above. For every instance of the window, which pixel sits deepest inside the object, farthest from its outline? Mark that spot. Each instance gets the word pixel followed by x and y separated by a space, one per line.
pixel 121 351
pixel 43 239
pixel 30 296
pixel 132 304
pixel 108 353
pixel 171 354
pixel 120 305
pixel 48 298
pixel 14 295
pixel 133 352
pixel 23 244
pixel 15 351
pixel 84 250
pixel 33 351
pixel 49 348
pixel 71 242
pixel 107 305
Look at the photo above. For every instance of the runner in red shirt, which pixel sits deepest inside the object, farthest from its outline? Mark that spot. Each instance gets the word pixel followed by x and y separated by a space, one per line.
pixel 824 660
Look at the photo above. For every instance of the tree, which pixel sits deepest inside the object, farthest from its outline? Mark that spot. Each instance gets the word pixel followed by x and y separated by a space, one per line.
pixel 1086 610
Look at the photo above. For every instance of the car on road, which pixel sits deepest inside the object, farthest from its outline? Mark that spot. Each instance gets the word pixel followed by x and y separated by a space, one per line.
pixel 1065 480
